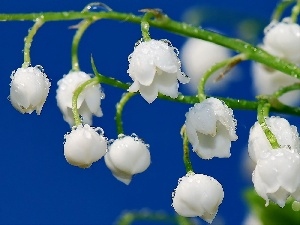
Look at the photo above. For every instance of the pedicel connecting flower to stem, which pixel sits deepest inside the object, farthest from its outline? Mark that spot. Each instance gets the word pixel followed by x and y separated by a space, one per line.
pixel 154 67
pixel 286 135
pixel 89 100
pixel 29 89
pixel 127 156
pixel 84 145
pixel 198 195
pixel 210 128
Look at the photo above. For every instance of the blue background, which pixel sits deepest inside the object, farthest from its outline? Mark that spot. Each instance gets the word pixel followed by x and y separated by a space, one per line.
pixel 38 186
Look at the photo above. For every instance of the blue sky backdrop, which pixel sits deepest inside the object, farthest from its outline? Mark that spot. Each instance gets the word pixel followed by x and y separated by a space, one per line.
pixel 38 186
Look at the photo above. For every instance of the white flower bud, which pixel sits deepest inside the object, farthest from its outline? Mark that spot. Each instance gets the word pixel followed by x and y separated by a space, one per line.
pixel 198 195
pixel 154 67
pixel 210 128
pixel 88 102
pixel 282 40
pixel 198 56
pixel 127 156
pixel 286 136
pixel 84 146
pixel 276 176
pixel 29 89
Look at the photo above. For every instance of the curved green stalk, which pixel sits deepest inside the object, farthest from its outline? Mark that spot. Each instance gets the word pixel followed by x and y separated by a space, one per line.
pixel 281 6
pixel 262 113
pixel 82 26
pixel 229 63
pixel 29 38
pixel 120 106
pixel 295 12
pixel 230 102
pixel 165 23
pixel 76 94
pixel 186 154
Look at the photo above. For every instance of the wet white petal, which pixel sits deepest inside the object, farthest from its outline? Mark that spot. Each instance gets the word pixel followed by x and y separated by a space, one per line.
pixel 84 146
pixel 155 67
pixel 29 89
pixel 127 156
pixel 88 102
pixel 198 195
pixel 210 128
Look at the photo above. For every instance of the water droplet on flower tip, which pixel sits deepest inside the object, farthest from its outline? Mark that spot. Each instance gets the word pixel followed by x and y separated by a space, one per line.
pixel 176 51
pixel 121 136
pixel 167 42
pixel 39 67
pixel 96 7
pixel 136 44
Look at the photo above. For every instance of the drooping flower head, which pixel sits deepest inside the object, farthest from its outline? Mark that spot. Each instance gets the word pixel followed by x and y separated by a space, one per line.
pixel 198 195
pixel 210 128
pixel 127 156
pixel 29 89
pixel 88 102
pixel 282 39
pixel 276 175
pixel 286 135
pixel 84 146
pixel 155 67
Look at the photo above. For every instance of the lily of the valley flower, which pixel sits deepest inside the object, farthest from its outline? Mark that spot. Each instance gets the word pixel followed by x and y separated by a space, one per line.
pixel 286 135
pixel 127 156
pixel 276 176
pixel 282 40
pixel 29 89
pixel 84 146
pixel 88 102
pixel 198 195
pixel 155 67
pixel 210 128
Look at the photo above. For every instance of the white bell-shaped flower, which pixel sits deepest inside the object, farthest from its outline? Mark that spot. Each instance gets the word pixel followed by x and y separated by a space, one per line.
pixel 210 128
pixel 276 176
pixel 198 195
pixel 197 56
pixel 84 146
pixel 88 102
pixel 154 67
pixel 29 89
pixel 282 40
pixel 286 136
pixel 127 156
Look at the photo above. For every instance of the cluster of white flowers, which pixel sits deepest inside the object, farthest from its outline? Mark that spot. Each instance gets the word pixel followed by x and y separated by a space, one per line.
pixel 210 128
pixel 276 174
pixel 125 157
pixel 281 39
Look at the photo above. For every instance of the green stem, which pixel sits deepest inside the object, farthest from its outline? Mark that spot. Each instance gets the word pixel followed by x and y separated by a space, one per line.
pixel 229 63
pixel 28 40
pixel 76 94
pixel 131 217
pixel 295 12
pixel 262 114
pixel 145 26
pixel 281 6
pixel 186 154
pixel 230 102
pixel 286 89
pixel 82 26
pixel 120 106
pixel 165 23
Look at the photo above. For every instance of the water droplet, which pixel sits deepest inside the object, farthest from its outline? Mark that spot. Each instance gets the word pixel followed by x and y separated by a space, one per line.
pixel 96 7
pixel 296 206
